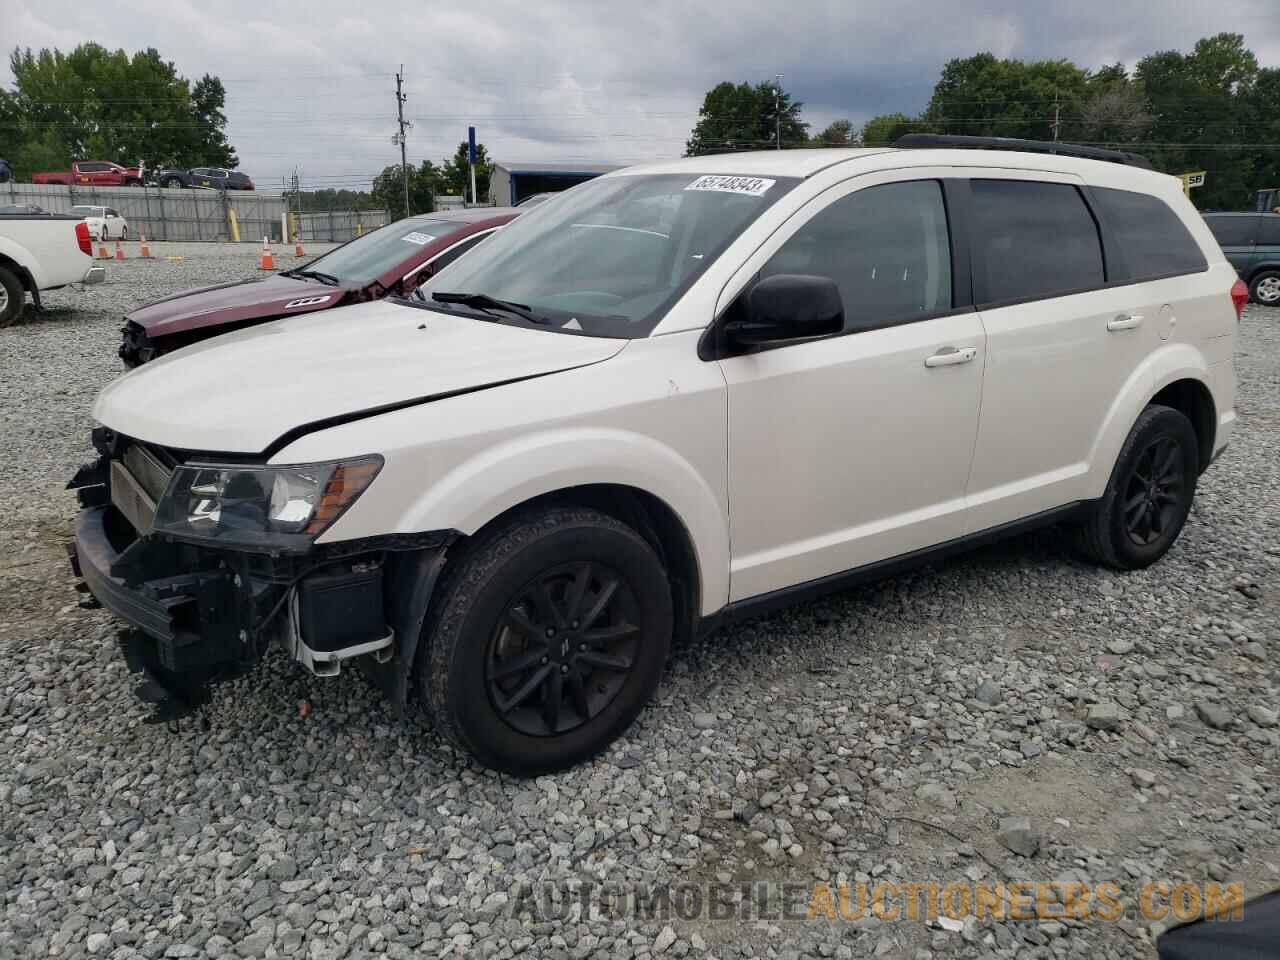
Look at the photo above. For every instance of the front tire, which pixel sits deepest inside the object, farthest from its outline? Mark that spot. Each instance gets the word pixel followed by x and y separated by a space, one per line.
pixel 13 298
pixel 550 638
pixel 1265 288
pixel 1148 496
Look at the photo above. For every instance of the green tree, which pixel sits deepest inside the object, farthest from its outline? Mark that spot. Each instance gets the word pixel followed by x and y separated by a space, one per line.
pixel 208 98
pixel 839 133
pixel 1262 114
pixel 457 173
pixel 425 181
pixel 94 103
pixel 1200 103
pixel 746 117
pixel 983 96
pixel 883 130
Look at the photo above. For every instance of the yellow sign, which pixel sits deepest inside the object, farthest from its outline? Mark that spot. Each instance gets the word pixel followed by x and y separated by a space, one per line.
pixel 1192 180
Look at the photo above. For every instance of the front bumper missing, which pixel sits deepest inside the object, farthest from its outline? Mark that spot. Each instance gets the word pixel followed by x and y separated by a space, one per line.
pixel 199 615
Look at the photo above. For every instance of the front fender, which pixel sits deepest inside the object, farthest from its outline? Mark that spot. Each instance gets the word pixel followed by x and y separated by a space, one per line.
pixel 1170 363
pixel 483 487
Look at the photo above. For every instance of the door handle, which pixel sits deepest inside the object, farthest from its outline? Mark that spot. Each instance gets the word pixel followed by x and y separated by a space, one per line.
pixel 1124 321
pixel 948 356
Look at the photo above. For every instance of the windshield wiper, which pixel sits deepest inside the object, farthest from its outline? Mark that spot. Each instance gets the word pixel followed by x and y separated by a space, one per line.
pixel 482 301
pixel 328 278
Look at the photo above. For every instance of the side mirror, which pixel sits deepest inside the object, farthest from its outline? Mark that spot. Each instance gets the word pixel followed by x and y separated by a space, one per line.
pixel 789 306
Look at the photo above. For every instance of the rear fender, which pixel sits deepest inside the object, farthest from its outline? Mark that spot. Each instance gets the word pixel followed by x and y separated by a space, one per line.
pixel 21 261
pixel 1172 362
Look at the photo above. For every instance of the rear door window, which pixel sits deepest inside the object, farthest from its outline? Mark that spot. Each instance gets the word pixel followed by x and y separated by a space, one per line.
pixel 1151 240
pixel 1269 231
pixel 1033 240
pixel 1233 231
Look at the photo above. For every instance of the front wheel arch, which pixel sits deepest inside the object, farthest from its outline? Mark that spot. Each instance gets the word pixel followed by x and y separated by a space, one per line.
pixel 650 516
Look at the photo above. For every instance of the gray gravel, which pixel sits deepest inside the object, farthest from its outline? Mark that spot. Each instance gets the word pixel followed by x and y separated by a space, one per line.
pixel 1011 714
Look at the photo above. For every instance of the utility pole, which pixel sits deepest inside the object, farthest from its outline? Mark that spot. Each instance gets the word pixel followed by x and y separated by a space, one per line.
pixel 1057 108
pixel 777 110
pixel 404 163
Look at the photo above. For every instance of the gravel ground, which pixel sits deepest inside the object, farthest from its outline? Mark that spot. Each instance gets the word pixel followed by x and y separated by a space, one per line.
pixel 883 734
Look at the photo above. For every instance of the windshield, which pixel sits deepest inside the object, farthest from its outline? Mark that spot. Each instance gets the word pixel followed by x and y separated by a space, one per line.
pixel 609 256
pixel 366 258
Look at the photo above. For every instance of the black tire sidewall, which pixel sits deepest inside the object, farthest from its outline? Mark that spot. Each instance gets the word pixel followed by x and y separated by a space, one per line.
pixel 1256 281
pixel 17 298
pixel 469 710
pixel 1154 423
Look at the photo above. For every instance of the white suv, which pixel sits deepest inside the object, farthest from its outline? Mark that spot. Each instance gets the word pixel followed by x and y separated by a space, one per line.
pixel 679 394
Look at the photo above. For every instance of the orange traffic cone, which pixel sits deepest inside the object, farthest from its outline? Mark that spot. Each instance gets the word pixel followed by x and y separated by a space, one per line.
pixel 297 248
pixel 119 251
pixel 266 261
pixel 144 248
pixel 102 250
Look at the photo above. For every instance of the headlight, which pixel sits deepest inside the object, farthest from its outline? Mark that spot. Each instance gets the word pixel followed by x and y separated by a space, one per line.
pixel 261 507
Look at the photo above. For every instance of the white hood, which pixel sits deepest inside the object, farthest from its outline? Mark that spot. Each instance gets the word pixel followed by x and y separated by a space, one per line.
pixel 240 392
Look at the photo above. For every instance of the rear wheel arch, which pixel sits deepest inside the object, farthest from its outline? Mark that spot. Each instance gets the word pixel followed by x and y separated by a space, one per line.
pixel 1192 399
pixel 1268 266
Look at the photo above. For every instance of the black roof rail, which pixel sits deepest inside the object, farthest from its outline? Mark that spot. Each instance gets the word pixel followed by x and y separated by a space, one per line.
pixel 946 140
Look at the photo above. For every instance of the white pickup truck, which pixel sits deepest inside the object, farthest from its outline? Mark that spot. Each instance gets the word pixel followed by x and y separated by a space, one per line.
pixel 41 251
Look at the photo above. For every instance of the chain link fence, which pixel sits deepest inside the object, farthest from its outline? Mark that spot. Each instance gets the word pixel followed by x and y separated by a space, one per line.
pixel 177 214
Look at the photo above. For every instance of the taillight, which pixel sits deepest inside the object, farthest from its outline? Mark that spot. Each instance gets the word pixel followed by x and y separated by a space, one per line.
pixel 1239 297
pixel 82 238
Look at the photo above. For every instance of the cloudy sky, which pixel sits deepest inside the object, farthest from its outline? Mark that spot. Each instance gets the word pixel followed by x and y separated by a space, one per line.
pixel 311 84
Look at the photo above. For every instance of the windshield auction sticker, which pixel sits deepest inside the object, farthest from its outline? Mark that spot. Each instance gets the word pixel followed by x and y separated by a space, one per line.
pixel 418 238
pixel 751 186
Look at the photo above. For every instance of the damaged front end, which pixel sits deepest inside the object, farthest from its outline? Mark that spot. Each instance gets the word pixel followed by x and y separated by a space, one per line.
pixel 210 563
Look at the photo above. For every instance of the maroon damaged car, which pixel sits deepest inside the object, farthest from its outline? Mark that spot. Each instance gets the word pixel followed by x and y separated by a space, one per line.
pixel 390 261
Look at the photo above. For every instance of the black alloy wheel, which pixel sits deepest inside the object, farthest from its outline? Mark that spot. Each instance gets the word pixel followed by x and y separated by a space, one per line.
pixel 547 639
pixel 564 649
pixel 1149 494
pixel 1154 491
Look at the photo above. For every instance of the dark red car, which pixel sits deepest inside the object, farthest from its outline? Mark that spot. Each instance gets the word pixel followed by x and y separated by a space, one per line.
pixel 391 261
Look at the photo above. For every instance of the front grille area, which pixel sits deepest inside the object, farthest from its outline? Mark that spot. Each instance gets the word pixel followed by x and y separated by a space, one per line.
pixel 148 469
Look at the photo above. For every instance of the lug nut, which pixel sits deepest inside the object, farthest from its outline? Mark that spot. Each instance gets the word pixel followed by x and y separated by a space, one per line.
pixel 544 659
pixel 551 631
pixel 564 668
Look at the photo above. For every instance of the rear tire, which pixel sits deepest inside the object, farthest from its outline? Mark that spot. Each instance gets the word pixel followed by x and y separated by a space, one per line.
pixel 550 637
pixel 1148 496
pixel 172 183
pixel 1265 288
pixel 13 298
